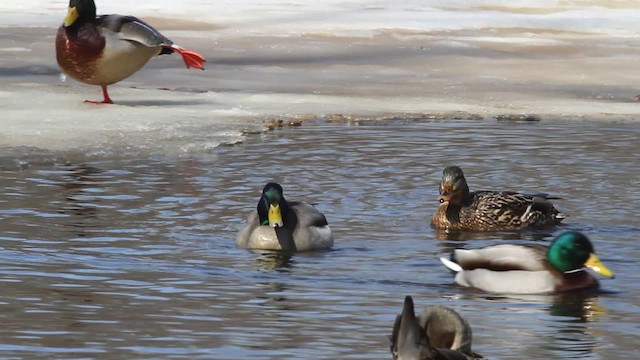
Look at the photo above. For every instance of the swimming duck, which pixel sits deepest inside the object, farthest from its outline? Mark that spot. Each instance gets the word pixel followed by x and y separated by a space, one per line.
pixel 281 225
pixel 521 269
pixel 102 50
pixel 489 210
pixel 439 333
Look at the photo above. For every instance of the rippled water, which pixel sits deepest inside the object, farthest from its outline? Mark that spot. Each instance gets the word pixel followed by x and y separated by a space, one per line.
pixel 135 258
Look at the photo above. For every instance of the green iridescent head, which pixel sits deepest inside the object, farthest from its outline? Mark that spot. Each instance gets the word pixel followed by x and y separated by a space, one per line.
pixel 272 206
pixel 572 251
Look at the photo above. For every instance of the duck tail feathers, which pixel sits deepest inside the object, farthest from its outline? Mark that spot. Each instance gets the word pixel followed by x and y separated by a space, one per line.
pixel 546 196
pixel 455 267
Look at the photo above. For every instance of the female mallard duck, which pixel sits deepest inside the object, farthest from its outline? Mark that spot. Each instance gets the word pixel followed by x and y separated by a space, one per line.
pixel 439 333
pixel 102 50
pixel 520 269
pixel 282 225
pixel 489 210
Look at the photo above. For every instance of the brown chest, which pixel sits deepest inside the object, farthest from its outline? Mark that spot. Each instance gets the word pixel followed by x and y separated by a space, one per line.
pixel 79 50
pixel 440 219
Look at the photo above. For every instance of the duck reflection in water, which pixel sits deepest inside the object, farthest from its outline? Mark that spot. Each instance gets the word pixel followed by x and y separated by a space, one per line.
pixel 567 333
pixel 580 305
pixel 280 261
pixel 83 211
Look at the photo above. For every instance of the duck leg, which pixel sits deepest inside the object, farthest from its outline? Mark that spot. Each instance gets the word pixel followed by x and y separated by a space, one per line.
pixel 105 94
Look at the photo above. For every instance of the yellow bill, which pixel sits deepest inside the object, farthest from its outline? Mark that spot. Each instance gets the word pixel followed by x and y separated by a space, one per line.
pixel 594 264
pixel 72 16
pixel 275 217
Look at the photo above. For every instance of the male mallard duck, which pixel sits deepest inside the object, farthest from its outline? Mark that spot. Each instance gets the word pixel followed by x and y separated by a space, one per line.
pixel 439 333
pixel 102 50
pixel 282 225
pixel 489 210
pixel 520 269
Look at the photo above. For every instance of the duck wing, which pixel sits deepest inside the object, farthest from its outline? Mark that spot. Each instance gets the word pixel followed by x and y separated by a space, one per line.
pixel 307 215
pixel 309 226
pixel 502 203
pixel 511 209
pixel 133 29
pixel 541 211
pixel 503 257
pixel 446 328
pixel 506 268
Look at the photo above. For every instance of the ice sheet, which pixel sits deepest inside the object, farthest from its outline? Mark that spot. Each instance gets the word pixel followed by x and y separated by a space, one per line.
pixel 267 59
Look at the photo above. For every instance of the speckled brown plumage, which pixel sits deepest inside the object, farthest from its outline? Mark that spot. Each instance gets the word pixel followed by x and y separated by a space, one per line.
pixel 461 209
pixel 78 49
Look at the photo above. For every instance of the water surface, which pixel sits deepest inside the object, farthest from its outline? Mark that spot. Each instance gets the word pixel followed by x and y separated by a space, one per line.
pixel 108 256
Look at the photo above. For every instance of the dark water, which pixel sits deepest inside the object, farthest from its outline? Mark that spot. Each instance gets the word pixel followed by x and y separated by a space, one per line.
pixel 134 258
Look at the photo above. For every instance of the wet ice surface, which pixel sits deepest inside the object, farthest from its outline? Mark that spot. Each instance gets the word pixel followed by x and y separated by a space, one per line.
pixel 128 249
pixel 272 58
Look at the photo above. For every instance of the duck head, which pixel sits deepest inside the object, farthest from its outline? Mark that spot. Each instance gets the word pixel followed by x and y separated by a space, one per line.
pixel 272 206
pixel 83 10
pixel 453 187
pixel 571 251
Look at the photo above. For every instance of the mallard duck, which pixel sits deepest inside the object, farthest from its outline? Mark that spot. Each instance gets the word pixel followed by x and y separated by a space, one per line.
pixel 489 210
pixel 102 50
pixel 439 333
pixel 281 225
pixel 521 269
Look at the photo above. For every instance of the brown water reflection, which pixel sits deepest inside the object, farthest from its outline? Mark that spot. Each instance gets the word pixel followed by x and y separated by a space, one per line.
pixel 135 258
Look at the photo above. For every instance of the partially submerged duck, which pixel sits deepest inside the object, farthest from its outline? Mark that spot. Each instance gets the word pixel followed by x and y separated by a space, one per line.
pixel 278 224
pixel 521 269
pixel 438 333
pixel 102 50
pixel 461 209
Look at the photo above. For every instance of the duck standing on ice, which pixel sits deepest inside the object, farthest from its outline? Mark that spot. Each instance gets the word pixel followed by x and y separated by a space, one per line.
pixel 102 50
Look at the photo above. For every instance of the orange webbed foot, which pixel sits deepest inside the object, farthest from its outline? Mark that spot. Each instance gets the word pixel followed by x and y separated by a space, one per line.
pixel 191 58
